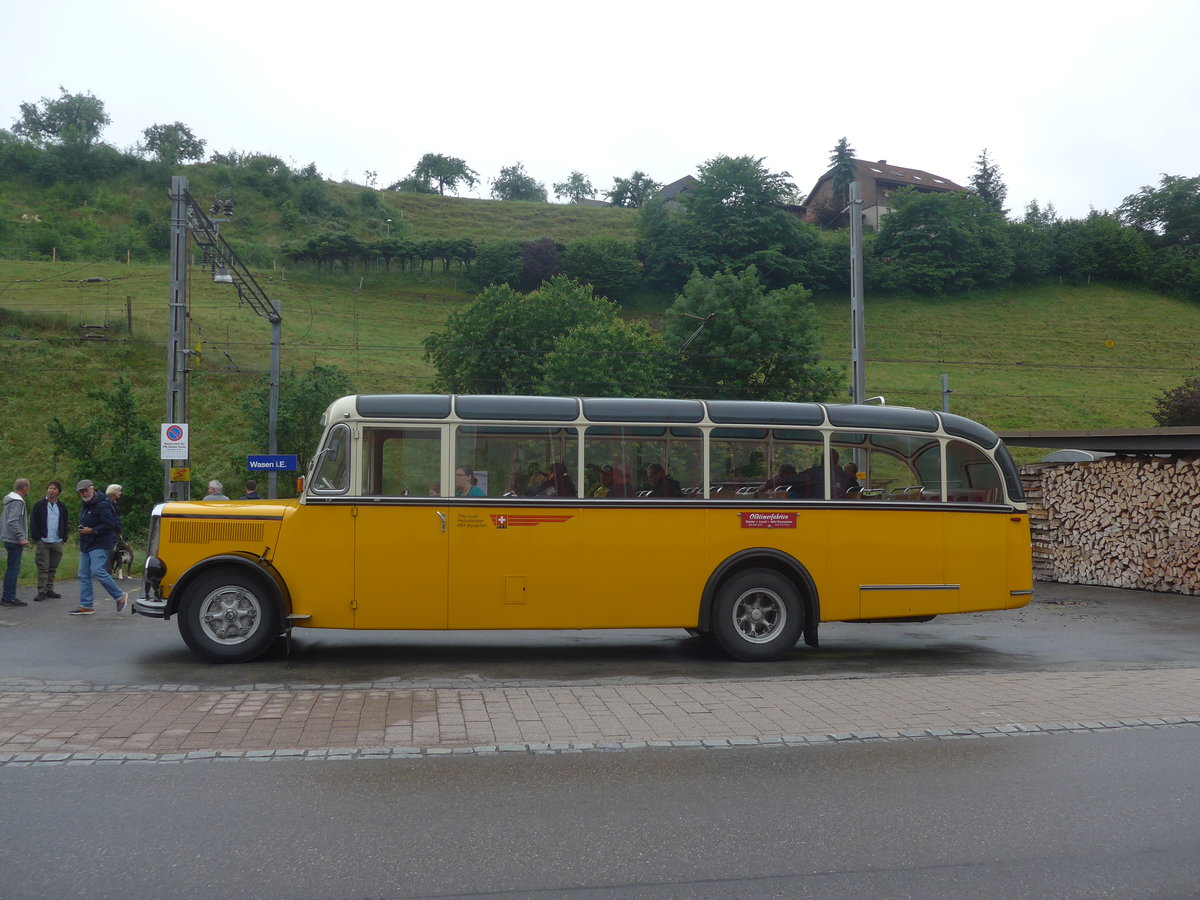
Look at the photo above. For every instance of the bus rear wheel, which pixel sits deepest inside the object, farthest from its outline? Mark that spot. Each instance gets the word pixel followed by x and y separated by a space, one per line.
pixel 227 616
pixel 758 616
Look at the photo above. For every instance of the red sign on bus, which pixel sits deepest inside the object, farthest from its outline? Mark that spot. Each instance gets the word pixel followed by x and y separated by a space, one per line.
pixel 768 519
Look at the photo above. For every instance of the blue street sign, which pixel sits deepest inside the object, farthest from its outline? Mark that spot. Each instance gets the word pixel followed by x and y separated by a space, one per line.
pixel 276 463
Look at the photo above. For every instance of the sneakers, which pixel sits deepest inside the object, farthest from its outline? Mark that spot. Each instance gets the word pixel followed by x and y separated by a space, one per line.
pixel 39 598
pixel 54 595
pixel 13 603
pixel 122 601
pixel 82 611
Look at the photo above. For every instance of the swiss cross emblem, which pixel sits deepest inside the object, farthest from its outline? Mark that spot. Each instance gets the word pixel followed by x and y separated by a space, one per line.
pixel 501 521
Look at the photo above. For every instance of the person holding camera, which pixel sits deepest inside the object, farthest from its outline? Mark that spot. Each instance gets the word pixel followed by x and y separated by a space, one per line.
pixel 98 527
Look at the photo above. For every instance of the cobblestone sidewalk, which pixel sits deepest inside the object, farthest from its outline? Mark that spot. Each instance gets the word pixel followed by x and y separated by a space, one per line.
pixel 63 724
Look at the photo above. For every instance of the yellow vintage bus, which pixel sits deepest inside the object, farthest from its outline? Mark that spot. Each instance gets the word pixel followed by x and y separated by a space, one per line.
pixel 747 522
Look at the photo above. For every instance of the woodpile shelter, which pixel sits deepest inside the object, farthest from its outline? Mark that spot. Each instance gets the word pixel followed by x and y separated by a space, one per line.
pixel 1129 520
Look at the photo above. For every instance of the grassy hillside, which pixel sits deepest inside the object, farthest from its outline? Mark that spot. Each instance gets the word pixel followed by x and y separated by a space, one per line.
pixel 87 221
pixel 1030 359
pixel 1040 358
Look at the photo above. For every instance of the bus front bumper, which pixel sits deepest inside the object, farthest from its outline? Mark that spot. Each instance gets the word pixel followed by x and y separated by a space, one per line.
pixel 152 604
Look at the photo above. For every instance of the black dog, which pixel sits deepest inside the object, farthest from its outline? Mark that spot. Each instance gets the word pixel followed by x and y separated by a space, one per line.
pixel 121 563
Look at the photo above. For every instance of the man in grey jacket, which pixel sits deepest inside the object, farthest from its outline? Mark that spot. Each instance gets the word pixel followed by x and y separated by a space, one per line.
pixel 12 532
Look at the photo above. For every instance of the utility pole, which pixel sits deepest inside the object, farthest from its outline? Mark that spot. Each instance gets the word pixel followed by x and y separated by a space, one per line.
pixel 177 340
pixel 273 400
pixel 858 331
pixel 187 216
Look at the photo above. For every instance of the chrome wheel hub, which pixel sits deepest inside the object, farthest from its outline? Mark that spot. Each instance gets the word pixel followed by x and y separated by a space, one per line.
pixel 759 615
pixel 229 615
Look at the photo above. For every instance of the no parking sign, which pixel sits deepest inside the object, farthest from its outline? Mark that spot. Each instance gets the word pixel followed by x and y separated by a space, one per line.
pixel 174 441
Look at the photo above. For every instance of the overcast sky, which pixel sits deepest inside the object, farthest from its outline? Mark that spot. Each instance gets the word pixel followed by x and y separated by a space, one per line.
pixel 1079 103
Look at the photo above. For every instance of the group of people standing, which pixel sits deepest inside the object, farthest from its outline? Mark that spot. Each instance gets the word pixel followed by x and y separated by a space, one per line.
pixel 48 526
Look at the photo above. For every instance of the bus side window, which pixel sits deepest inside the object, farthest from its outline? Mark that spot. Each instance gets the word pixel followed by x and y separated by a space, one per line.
pixel 517 461
pixel 401 462
pixel 654 462
pixel 970 476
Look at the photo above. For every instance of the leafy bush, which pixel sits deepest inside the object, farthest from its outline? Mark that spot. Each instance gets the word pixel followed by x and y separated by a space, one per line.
pixel 609 265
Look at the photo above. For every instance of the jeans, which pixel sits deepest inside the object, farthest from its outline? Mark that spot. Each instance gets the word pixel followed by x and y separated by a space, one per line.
pixel 13 571
pixel 91 565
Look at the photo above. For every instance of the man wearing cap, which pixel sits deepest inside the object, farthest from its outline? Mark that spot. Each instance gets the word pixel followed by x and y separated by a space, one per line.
pixel 98 526
pixel 606 479
pixel 12 532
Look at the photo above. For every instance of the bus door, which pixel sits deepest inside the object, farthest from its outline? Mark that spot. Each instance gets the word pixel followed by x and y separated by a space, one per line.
pixel 401 547
pixel 514 531
pixel 885 560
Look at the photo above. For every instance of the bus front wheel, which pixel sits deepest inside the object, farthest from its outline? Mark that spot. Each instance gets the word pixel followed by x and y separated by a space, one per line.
pixel 228 616
pixel 758 616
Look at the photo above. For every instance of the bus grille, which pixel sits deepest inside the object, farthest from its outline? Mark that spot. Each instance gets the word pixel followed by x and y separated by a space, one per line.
pixel 186 532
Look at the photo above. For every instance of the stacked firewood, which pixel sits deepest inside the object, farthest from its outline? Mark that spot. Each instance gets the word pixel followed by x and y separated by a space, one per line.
pixel 1130 522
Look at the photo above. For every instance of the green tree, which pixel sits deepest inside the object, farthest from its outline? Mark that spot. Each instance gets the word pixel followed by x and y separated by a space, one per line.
pixel 412 185
pixel 737 340
pixel 1178 407
pixel 171 144
pixel 734 218
pixel 614 358
pixel 577 187
pixel 541 260
pixel 1099 247
pixel 634 191
pixel 663 247
pixel 514 183
pixel 845 171
pixel 499 343
pixel 933 243
pixel 1032 242
pixel 609 265
pixel 69 119
pixel 115 442
pixel 987 183
pixel 1176 270
pixel 440 172
pixel 302 400
pixel 498 262
pixel 1171 211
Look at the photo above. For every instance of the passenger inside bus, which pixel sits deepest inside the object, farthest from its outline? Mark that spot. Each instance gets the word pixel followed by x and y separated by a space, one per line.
pixel 557 484
pixel 621 486
pixel 661 484
pixel 537 483
pixel 465 484
pixel 606 482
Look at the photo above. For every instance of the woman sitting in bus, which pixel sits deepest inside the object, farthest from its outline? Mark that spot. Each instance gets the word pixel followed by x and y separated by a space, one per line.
pixel 464 483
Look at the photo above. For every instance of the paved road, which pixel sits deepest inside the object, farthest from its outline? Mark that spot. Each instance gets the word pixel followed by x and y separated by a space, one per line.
pixel 74 690
pixel 1064 816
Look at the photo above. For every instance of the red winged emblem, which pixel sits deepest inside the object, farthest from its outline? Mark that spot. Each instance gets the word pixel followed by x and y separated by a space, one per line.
pixel 517 520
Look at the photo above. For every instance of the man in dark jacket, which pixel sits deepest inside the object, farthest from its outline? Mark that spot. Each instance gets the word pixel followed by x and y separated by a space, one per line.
pixel 48 528
pixel 98 527
pixel 662 484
